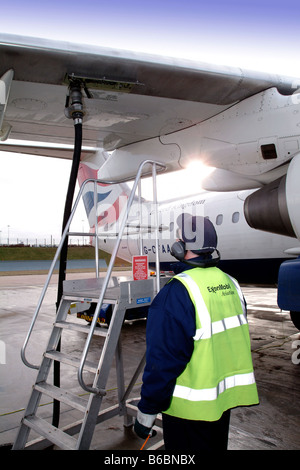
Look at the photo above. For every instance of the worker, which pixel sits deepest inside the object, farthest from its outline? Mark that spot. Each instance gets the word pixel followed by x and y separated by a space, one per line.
pixel 198 356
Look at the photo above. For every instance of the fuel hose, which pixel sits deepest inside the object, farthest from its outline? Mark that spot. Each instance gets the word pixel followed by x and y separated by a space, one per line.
pixel 64 251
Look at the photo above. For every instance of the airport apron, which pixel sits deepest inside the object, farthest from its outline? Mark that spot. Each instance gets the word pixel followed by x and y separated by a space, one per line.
pixel 220 373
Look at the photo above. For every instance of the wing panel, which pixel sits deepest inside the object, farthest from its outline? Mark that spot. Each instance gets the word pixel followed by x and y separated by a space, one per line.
pixel 45 61
pixel 35 111
pixel 135 96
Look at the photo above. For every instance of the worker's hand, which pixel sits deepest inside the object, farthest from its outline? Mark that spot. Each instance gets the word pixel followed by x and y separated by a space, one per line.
pixel 142 431
pixel 143 425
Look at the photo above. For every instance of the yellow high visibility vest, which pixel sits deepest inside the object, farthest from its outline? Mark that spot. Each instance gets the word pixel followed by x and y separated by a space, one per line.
pixel 220 373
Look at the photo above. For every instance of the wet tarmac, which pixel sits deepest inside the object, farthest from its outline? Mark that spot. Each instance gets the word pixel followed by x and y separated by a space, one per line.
pixel 272 425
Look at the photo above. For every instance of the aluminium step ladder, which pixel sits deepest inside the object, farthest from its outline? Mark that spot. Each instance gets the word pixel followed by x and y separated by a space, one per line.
pixel 128 294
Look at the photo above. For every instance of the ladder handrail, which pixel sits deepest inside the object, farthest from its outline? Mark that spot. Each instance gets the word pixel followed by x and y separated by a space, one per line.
pixel 108 275
pixel 46 285
pixel 59 248
pixel 55 259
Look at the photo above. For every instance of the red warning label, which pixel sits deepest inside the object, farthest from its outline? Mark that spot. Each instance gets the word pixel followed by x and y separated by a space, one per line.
pixel 140 267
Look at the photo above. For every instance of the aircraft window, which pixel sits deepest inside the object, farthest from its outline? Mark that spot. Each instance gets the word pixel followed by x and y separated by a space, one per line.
pixel 235 217
pixel 219 219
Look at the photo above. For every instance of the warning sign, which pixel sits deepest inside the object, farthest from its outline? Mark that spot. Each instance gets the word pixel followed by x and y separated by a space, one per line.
pixel 140 267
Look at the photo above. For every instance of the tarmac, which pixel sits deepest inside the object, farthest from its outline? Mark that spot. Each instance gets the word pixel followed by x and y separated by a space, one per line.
pixel 272 425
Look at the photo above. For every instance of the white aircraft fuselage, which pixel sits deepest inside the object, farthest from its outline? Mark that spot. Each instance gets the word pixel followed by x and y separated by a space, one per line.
pixel 250 255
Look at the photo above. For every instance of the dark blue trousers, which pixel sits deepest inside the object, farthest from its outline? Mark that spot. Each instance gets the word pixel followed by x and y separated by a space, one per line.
pixel 182 435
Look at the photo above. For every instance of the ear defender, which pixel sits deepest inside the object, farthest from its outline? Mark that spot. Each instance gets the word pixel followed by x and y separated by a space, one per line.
pixel 178 250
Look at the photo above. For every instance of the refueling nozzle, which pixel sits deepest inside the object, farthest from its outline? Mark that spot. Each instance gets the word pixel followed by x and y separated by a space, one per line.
pixel 74 105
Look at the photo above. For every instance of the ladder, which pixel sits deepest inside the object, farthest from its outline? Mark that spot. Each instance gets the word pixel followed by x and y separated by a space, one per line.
pixel 123 295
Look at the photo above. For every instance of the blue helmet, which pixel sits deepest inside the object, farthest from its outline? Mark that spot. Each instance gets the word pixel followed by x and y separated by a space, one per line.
pixel 198 233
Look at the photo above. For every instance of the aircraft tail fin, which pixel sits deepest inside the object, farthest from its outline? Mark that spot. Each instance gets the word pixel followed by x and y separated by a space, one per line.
pixel 111 198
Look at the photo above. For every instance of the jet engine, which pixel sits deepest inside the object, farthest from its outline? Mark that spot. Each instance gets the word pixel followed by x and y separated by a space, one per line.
pixel 275 207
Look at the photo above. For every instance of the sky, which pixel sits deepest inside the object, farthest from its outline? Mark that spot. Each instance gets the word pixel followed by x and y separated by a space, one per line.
pixel 259 35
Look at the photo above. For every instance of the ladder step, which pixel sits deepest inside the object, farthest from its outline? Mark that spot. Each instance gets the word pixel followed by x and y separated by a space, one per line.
pixel 82 328
pixel 71 361
pixel 53 434
pixel 62 395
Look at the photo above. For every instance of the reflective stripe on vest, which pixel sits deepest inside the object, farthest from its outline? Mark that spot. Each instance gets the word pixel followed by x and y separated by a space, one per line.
pixel 209 328
pixel 210 394
pixel 239 291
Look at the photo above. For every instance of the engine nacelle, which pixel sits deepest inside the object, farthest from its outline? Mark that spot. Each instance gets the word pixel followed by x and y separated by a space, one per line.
pixel 275 207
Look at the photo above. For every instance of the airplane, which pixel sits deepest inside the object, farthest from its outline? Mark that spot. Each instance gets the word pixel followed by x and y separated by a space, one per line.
pixel 249 255
pixel 77 101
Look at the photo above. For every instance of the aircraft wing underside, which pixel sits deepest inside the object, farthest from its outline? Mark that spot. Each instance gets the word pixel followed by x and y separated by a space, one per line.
pixel 135 105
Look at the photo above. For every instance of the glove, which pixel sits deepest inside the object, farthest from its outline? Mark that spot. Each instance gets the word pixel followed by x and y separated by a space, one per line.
pixel 143 425
pixel 142 431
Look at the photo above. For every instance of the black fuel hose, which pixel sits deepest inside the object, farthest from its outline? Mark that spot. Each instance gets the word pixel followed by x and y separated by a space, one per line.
pixel 64 252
